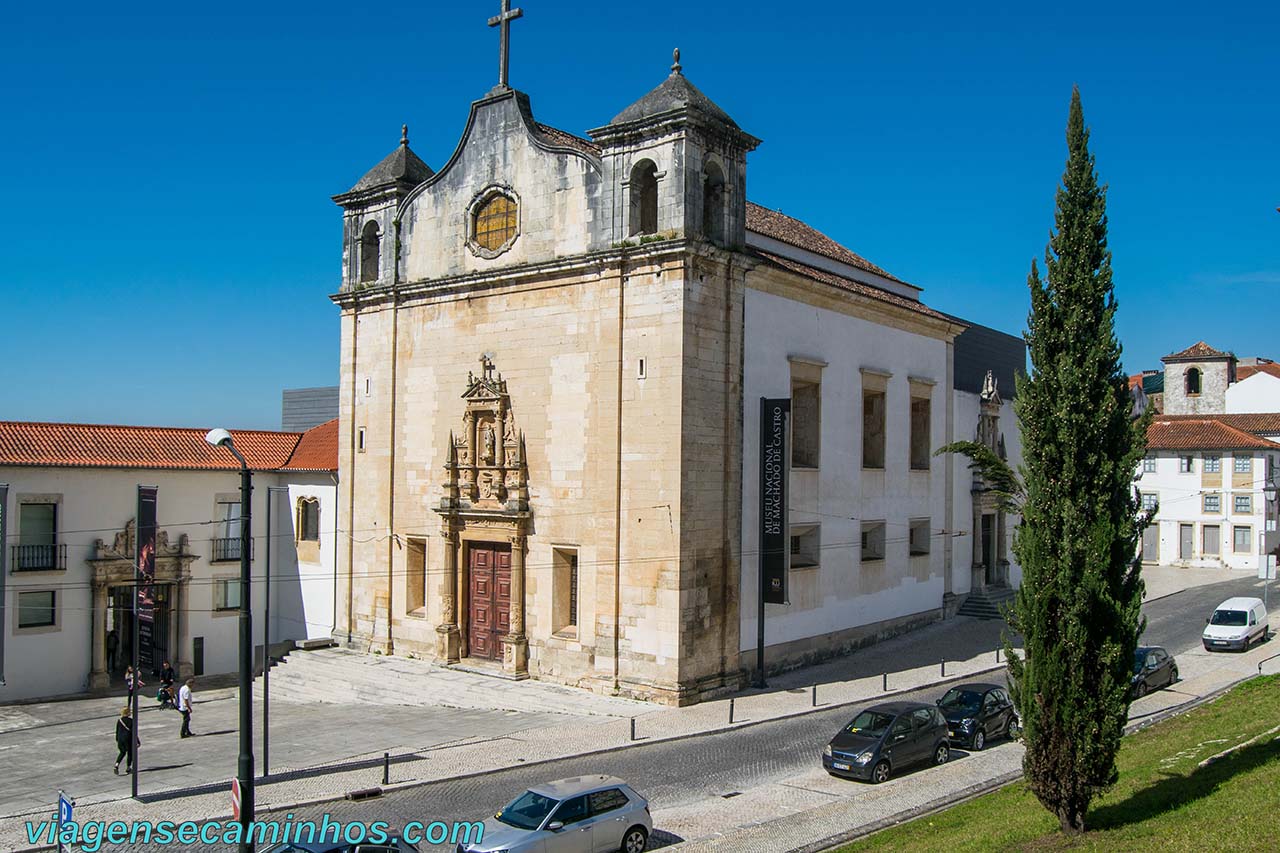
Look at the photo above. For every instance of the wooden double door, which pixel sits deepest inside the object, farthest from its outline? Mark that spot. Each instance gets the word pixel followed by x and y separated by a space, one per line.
pixel 489 598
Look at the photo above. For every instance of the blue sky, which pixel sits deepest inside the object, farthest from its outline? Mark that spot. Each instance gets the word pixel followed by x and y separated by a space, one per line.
pixel 168 167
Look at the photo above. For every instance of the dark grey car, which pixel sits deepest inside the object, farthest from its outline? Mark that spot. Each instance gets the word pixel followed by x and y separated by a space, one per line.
pixel 978 713
pixel 1153 668
pixel 885 738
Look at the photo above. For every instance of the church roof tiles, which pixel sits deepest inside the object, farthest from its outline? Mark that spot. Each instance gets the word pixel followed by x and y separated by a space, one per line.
pixel 1196 432
pixel 109 446
pixel 1197 351
pixel 401 166
pixel 787 229
pixel 852 286
pixel 673 93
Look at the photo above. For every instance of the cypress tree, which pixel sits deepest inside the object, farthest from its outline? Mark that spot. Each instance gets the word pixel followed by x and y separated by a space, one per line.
pixel 1079 606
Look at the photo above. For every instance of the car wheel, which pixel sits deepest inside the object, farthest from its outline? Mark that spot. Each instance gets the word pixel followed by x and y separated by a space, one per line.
pixel 634 841
pixel 880 773
pixel 1173 676
pixel 1140 690
pixel 941 753
pixel 979 740
pixel 1015 727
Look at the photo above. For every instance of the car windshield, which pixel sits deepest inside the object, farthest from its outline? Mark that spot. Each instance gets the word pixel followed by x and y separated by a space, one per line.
pixel 870 724
pixel 1139 660
pixel 959 701
pixel 527 811
pixel 1231 618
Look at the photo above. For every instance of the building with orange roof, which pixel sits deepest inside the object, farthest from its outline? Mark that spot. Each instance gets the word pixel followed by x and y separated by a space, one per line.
pixel 68 498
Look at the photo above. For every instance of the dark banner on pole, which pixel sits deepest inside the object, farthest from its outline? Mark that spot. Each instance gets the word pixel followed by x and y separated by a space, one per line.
pixel 775 541
pixel 146 609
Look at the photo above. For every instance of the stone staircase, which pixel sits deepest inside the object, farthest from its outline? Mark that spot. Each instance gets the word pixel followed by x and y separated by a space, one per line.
pixel 341 676
pixel 987 603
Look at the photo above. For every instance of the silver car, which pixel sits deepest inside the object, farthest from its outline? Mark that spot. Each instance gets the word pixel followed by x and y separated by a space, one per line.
pixel 585 814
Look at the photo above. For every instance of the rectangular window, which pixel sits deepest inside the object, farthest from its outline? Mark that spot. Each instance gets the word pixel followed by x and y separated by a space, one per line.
pixel 1149 465
pixel 226 594
pixel 565 588
pixel 360 440
pixel 37 537
pixel 1243 464
pixel 872 541
pixel 1186 464
pixel 1210 546
pixel 805 547
pixel 415 578
pixel 1148 501
pixel 309 521
pixel 1213 464
pixel 919 537
pixel 227 546
pixel 37 609
pixel 1243 540
pixel 920 444
pixel 1213 503
pixel 873 429
pixel 1244 504
pixel 805 423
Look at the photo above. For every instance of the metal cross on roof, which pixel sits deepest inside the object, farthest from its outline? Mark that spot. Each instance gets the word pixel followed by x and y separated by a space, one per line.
pixel 503 21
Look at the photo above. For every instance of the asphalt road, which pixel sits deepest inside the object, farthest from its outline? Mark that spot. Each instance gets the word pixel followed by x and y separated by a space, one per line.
pixel 688 771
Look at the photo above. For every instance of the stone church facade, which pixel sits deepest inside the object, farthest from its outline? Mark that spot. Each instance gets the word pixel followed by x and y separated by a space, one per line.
pixel 552 353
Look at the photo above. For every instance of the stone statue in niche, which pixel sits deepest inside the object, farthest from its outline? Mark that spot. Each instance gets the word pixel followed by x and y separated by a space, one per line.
pixel 488 445
pixel 509 435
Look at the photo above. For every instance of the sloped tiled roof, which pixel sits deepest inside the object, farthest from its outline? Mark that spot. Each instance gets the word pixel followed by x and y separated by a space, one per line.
pixel 1197 351
pixel 317 449
pixel 848 284
pixel 556 136
pixel 675 92
pixel 1192 432
pixel 1270 368
pixel 1259 423
pixel 792 231
pixel 401 166
pixel 109 446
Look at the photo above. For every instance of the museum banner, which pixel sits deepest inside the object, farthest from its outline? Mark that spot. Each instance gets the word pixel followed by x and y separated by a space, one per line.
pixel 775 541
pixel 146 576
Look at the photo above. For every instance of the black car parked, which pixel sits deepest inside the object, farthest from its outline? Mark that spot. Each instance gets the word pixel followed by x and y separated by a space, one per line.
pixel 884 738
pixel 1153 668
pixel 977 713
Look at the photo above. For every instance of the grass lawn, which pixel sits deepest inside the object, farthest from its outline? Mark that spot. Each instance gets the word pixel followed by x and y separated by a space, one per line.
pixel 1163 802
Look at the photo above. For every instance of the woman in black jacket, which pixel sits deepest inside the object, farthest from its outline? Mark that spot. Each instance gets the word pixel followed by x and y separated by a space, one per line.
pixel 124 731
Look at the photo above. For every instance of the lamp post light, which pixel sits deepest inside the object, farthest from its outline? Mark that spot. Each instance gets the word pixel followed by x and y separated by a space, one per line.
pixel 244 768
pixel 1269 492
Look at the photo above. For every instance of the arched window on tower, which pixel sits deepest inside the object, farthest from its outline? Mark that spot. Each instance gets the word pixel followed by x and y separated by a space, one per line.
pixel 1193 381
pixel 713 203
pixel 370 249
pixel 644 198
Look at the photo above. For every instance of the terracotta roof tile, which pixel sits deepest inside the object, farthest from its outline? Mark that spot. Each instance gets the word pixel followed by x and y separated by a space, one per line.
pixel 317 449
pixel 1244 371
pixel 556 136
pixel 1197 350
pixel 109 446
pixel 851 286
pixel 1193 432
pixel 793 232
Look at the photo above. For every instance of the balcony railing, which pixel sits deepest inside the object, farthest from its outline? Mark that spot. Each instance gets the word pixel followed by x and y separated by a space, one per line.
pixel 227 550
pixel 39 558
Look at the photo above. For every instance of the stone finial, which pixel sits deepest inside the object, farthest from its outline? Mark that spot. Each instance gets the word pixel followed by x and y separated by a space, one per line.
pixel 675 61
pixel 404 135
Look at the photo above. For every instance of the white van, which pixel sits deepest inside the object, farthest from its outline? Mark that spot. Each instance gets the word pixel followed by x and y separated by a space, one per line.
pixel 1237 623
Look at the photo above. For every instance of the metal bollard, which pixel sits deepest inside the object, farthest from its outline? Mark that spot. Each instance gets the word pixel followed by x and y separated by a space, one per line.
pixel 944 667
pixel 884 684
pixel 386 768
pixel 997 654
pixel 731 710
pixel 815 695
pixel 633 728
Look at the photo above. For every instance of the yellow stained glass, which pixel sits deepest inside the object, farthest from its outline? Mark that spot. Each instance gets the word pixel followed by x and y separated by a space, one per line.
pixel 495 223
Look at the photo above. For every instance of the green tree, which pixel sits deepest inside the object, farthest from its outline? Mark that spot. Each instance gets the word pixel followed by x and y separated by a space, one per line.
pixel 1079 606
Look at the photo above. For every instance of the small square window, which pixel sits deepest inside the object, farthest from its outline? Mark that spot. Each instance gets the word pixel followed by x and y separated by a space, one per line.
pixel 1244 504
pixel 919 537
pixel 872 541
pixel 1186 464
pixel 1148 501
pixel 37 609
pixel 226 594
pixel 1149 465
pixel 806 547
pixel 1213 464
pixel 1213 503
pixel 1243 464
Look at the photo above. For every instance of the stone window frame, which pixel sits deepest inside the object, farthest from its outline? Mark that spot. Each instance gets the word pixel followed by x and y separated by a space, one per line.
pixel 806 371
pixel 566 583
pixel 867 553
pixel 1150 500
pixel 1186 464
pixel 1212 463
pixel 220 583
pixel 478 201
pixel 1149 465
pixel 875 381
pixel 1238 501
pixel 300 527
pixel 805 546
pixel 633 204
pixel 1235 539
pixel 369 263
pixel 1216 498
pixel 21 630
pixel 1242 464
pixel 415 577
pixel 921 389
pixel 1193 375
pixel 914 539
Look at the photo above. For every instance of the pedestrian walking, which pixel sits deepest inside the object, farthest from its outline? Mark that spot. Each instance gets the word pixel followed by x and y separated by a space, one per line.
pixel 124 733
pixel 113 643
pixel 166 695
pixel 133 681
pixel 184 706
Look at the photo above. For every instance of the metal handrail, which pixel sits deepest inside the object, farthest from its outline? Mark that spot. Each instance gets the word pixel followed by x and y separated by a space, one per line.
pixel 1264 660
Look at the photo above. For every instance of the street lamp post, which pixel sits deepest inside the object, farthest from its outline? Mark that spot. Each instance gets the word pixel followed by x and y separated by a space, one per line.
pixel 244 768
pixel 1269 493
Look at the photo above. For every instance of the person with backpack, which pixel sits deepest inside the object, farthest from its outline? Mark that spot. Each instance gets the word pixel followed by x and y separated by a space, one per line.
pixel 124 733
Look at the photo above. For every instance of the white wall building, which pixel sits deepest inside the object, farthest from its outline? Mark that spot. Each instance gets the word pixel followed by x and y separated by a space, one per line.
pixel 68 497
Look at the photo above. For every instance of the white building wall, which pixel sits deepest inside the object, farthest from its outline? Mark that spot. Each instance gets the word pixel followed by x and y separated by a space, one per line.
pixel 966 408
pixel 842 592
pixel 97 503
pixel 1259 393
pixel 1181 502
